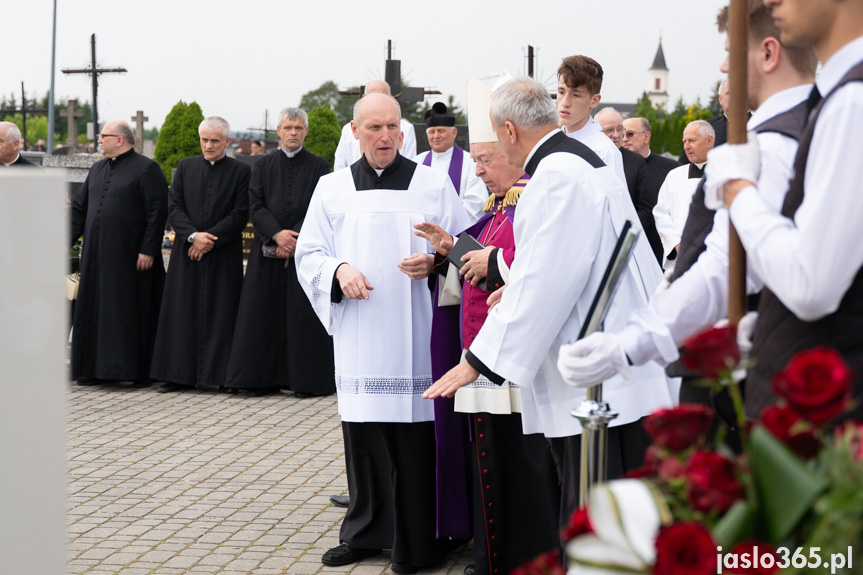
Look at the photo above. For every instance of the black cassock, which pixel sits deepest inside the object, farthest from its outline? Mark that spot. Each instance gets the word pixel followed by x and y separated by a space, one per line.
pixel 279 341
pixel 121 210
pixel 199 305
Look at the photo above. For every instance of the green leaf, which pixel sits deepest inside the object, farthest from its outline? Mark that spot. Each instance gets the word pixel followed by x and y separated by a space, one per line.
pixel 735 526
pixel 787 487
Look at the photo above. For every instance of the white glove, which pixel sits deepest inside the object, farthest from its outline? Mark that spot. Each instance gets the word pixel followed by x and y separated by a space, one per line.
pixel 730 162
pixel 592 360
pixel 745 329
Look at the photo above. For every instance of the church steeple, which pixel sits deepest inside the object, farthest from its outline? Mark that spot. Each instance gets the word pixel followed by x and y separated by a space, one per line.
pixel 659 59
pixel 657 74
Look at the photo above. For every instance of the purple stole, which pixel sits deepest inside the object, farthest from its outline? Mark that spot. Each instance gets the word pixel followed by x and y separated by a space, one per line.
pixel 451 428
pixel 455 165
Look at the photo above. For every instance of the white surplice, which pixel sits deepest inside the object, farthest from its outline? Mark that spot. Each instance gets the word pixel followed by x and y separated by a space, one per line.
pixel 672 209
pixel 381 345
pixel 592 136
pixel 569 218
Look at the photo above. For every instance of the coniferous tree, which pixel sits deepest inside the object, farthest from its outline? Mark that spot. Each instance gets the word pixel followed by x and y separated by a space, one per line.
pixel 324 133
pixel 178 137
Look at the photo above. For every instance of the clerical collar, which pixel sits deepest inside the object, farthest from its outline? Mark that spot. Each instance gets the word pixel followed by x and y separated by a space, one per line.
pixel 538 144
pixel 291 154
pixel 13 161
pixel 125 154
pixel 213 162
pixel 701 165
pixel 364 164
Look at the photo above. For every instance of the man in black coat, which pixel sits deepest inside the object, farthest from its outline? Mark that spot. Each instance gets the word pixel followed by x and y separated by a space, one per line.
pixel 121 210
pixel 636 138
pixel 279 343
pixel 209 207
pixel 10 142
pixel 637 182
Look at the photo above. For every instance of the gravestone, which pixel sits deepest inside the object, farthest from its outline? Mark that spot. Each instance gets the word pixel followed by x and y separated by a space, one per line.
pixel 139 120
pixel 72 113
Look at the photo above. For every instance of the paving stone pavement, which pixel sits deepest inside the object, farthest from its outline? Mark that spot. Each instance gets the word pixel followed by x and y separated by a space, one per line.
pixel 203 482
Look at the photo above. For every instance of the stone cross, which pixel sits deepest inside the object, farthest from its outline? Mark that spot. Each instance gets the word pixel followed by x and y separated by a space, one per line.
pixel 72 113
pixel 139 120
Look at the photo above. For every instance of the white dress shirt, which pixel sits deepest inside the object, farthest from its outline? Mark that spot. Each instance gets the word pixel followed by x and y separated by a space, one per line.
pixel 809 262
pixel 348 150
pixel 699 298
pixel 591 136
pixel 472 191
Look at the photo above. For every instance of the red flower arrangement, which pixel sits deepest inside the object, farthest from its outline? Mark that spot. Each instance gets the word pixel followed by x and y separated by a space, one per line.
pixel 685 549
pixel 679 428
pixel 712 352
pixel 712 482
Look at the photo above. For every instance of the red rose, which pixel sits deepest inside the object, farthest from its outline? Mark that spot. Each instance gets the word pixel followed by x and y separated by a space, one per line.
pixel 749 547
pixel 816 383
pixel 579 524
pixel 780 421
pixel 680 427
pixel 685 549
pixel 645 471
pixel 711 352
pixel 712 483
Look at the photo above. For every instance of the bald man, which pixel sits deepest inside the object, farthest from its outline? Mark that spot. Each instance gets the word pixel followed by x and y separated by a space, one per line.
pixel 10 143
pixel 356 241
pixel 348 150
pixel 121 210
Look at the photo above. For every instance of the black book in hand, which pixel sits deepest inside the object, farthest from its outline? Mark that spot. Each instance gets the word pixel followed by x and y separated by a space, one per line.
pixel 466 243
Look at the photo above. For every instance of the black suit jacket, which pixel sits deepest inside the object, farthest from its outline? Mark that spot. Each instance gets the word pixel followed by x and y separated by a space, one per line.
pixel 22 162
pixel 657 168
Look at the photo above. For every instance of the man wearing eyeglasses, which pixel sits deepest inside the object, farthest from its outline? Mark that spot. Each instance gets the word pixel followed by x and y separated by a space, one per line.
pixel 121 210
pixel 635 170
pixel 636 138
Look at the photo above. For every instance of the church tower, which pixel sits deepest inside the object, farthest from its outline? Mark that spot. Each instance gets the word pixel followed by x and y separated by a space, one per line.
pixel 657 88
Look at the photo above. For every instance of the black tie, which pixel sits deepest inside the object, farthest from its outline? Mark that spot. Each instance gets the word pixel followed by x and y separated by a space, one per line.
pixel 814 99
pixel 695 171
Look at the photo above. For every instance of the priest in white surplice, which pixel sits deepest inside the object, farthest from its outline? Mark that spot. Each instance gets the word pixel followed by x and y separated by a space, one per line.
pixel 356 241
pixel 449 157
pixel 569 217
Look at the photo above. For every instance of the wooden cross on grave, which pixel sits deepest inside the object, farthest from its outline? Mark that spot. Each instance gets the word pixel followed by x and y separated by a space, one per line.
pixel 266 129
pixel 72 113
pixel 24 110
pixel 94 72
pixel 139 120
pixel 393 77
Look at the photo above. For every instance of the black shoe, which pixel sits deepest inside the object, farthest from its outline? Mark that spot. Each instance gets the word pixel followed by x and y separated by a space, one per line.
pixel 142 383
pixel 469 570
pixel 262 391
pixel 169 387
pixel 88 381
pixel 340 500
pixel 303 394
pixel 403 568
pixel 344 554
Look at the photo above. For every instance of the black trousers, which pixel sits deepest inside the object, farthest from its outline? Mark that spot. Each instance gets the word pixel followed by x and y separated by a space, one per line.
pixel 391 480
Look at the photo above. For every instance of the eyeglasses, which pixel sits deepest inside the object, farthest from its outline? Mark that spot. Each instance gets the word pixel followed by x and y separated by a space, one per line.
pixel 102 136
pixel 607 131
pixel 630 133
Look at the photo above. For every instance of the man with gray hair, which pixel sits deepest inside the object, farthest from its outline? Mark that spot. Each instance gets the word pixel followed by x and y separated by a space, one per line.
pixel 675 195
pixel 209 207
pixel 278 342
pixel 10 142
pixel 570 215
pixel 121 210
pixel 348 151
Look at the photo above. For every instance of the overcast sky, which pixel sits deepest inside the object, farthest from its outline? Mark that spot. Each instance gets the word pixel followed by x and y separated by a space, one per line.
pixel 239 58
